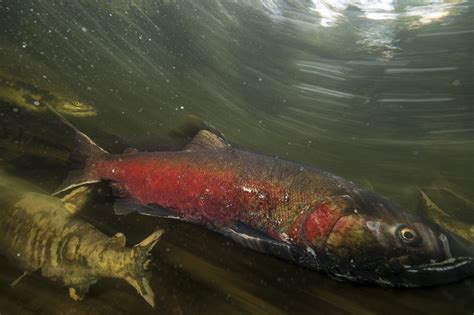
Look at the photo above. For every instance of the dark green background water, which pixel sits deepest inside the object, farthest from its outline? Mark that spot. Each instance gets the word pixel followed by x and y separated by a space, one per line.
pixel 380 92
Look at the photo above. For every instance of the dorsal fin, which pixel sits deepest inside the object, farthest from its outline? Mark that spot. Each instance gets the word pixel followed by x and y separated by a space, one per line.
pixel 206 140
pixel 191 125
pixel 130 150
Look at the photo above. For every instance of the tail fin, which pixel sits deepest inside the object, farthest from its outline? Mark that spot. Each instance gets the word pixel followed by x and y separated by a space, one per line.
pixel 86 150
pixel 141 280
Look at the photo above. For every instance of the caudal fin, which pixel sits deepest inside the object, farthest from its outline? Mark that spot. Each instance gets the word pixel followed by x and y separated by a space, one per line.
pixel 141 279
pixel 86 150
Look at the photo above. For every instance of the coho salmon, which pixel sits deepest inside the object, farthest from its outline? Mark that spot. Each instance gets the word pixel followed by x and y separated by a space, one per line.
pixel 293 211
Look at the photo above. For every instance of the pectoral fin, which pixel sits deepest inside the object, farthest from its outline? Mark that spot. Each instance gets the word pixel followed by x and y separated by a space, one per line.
pixel 261 242
pixel 17 280
pixel 123 206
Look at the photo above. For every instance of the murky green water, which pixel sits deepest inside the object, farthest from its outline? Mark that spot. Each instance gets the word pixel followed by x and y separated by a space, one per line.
pixel 380 92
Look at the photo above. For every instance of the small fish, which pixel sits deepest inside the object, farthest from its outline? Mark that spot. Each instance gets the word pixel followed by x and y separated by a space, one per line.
pixel 441 217
pixel 32 98
pixel 25 134
pixel 41 233
pixel 293 211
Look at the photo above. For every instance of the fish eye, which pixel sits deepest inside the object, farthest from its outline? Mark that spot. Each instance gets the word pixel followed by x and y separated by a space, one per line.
pixel 408 235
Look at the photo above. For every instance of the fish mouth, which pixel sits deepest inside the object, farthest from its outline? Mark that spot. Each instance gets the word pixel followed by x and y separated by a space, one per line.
pixel 446 265
pixel 455 262
pixel 437 273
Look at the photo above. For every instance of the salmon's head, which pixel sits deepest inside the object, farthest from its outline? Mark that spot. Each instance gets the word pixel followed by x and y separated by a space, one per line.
pixel 369 239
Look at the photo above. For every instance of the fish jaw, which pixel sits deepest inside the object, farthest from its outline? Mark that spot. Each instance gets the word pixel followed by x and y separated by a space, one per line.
pixel 450 270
